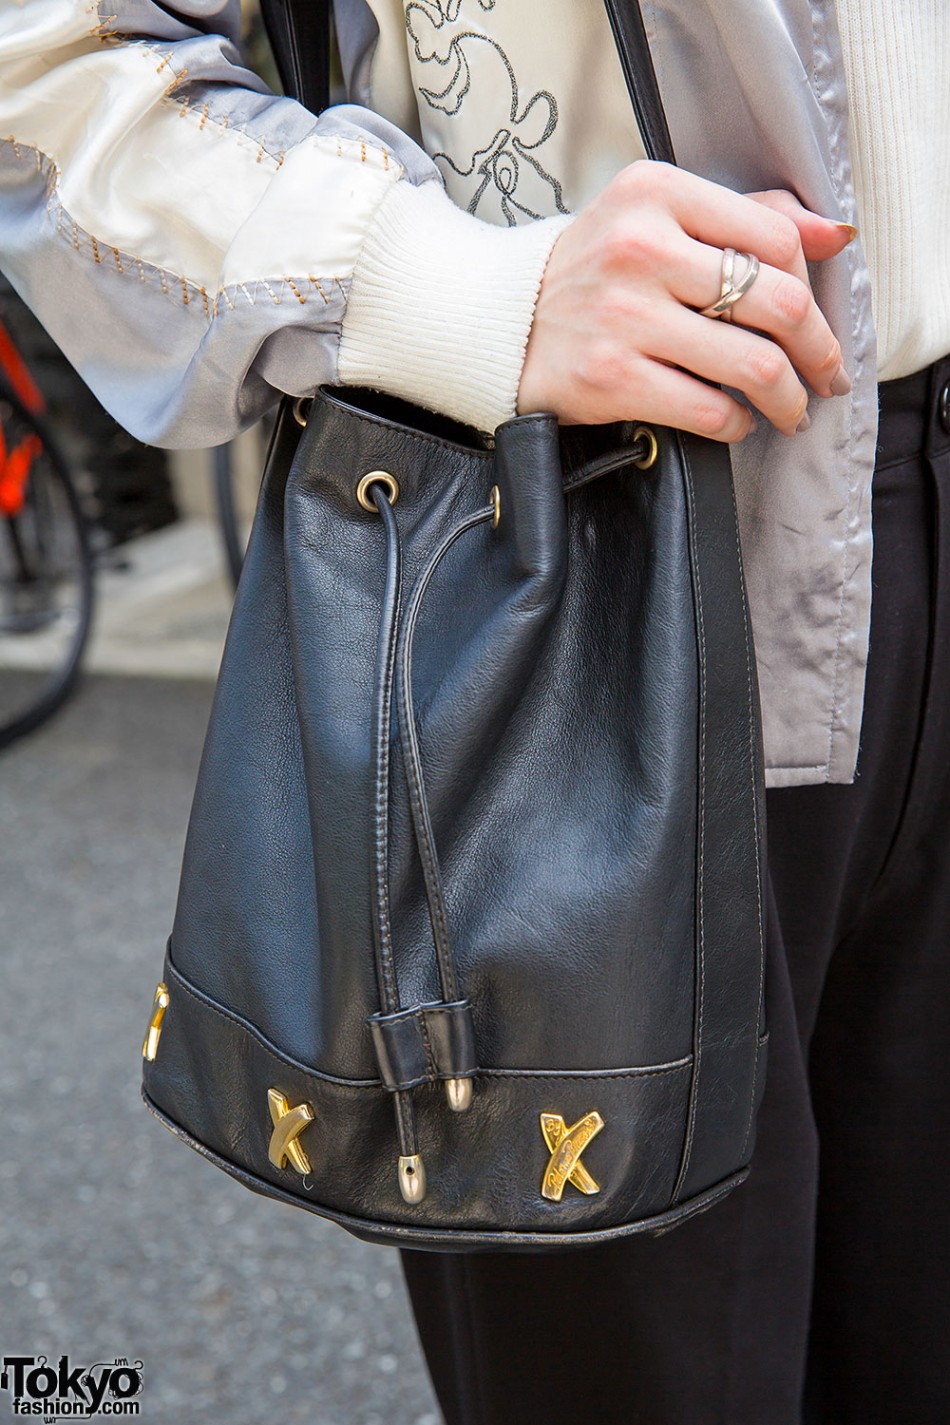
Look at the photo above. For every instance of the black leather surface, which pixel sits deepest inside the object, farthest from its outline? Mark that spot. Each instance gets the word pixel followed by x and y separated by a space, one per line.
pixel 580 730
pixel 352 1180
pixel 424 1044
pixel 299 35
pixel 563 696
pixel 626 22
pixel 733 816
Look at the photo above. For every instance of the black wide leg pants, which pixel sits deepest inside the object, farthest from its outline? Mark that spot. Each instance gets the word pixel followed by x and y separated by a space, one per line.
pixel 818 1292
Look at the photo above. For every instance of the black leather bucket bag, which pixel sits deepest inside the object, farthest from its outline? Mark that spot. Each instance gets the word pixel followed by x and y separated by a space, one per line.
pixel 468 950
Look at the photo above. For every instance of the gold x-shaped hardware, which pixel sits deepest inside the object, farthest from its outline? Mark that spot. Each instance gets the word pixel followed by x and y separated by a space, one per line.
pixel 566 1146
pixel 288 1122
pixel 154 1031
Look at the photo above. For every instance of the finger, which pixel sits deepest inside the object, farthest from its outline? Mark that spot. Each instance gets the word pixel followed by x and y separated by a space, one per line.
pixel 749 363
pixel 666 396
pixel 777 303
pixel 716 215
pixel 821 237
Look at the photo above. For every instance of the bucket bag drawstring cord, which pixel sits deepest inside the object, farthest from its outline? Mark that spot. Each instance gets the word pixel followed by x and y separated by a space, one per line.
pixel 428 1042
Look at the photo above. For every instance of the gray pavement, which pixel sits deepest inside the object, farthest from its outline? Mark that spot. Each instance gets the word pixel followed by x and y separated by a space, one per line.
pixel 115 1239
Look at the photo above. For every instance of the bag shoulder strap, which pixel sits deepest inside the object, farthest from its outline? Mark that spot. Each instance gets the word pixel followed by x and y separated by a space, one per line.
pixel 630 37
pixel 300 36
pixel 730 961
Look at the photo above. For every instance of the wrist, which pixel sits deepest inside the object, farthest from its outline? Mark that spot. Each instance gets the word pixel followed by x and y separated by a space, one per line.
pixel 440 305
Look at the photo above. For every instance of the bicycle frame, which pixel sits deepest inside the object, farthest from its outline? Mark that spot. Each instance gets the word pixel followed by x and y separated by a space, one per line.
pixel 16 464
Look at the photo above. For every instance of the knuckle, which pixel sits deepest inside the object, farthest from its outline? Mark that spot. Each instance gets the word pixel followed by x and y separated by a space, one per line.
pixel 793 301
pixel 832 361
pixel 713 418
pixel 663 175
pixel 766 366
pixel 632 311
pixel 604 367
pixel 783 203
pixel 630 246
pixel 630 182
pixel 647 178
pixel 634 172
pixel 786 241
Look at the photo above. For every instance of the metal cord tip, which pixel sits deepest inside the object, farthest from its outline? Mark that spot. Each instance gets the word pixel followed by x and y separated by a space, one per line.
pixel 412 1178
pixel 459 1094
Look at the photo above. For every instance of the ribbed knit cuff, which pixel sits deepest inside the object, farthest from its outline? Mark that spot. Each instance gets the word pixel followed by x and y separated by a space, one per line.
pixel 440 305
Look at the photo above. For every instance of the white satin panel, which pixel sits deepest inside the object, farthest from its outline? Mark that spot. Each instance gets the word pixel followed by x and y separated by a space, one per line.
pixel 149 175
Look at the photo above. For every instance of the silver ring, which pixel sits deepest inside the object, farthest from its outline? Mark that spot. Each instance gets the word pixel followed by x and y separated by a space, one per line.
pixel 731 289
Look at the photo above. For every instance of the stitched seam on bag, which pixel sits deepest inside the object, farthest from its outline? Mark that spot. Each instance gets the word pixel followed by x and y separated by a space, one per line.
pixel 269 1048
pixel 424 848
pixel 755 818
pixel 581 1075
pixel 381 827
pixel 266 1045
pixel 698 1048
pixel 436 903
pixel 433 1072
pixel 405 1084
pixel 658 1225
pixel 587 1073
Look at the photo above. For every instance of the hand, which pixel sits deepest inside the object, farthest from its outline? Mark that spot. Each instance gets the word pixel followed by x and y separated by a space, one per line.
pixel 617 333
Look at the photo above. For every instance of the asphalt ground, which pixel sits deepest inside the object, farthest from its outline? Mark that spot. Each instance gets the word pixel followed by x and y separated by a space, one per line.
pixel 115 1239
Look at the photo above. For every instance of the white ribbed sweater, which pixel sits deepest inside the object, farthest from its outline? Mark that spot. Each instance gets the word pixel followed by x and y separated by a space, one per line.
pixel 897 61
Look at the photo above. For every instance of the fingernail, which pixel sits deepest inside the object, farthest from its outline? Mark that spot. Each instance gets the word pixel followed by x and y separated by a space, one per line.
pixel 849 228
pixel 841 385
pixel 803 424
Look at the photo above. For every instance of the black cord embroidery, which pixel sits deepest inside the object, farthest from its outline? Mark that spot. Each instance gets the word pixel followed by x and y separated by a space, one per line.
pixel 505 171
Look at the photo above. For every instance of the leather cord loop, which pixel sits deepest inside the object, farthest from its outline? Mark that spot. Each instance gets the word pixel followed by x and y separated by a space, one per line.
pixel 409 737
pixel 395 1027
pixel 382 925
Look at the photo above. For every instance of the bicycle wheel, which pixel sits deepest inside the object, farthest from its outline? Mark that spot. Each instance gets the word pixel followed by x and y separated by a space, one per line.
pixel 46 574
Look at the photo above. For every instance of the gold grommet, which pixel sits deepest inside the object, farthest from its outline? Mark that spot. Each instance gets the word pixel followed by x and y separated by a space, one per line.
pixel 377 477
pixel 495 496
pixel 301 409
pixel 650 458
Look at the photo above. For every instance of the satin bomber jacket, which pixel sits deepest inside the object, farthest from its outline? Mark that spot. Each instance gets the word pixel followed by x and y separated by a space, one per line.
pixel 198 245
